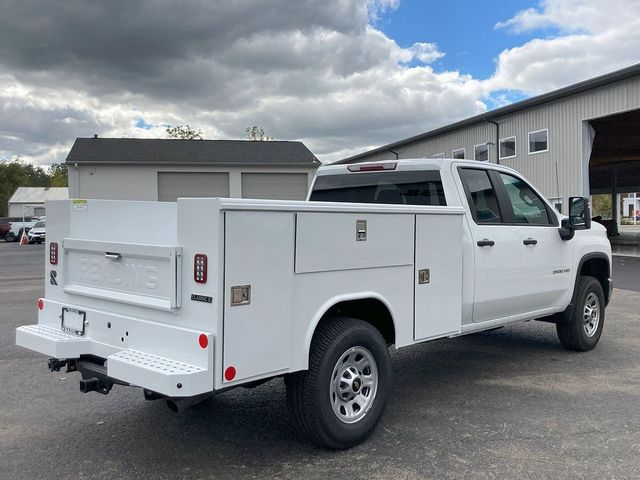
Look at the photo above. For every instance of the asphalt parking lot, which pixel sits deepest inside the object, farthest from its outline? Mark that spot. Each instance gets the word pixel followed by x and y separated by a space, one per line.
pixel 509 403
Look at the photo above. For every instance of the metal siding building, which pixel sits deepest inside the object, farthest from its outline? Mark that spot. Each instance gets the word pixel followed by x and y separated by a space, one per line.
pixel 571 115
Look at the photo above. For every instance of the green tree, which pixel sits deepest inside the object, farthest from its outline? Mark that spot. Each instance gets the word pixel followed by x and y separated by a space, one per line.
pixel 256 133
pixel 601 205
pixel 59 175
pixel 17 173
pixel 184 132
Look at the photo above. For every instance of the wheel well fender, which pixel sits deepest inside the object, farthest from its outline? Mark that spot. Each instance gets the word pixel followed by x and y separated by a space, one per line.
pixel 368 306
pixel 595 265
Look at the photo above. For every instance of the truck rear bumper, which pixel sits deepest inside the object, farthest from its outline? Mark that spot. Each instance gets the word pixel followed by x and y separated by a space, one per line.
pixel 173 377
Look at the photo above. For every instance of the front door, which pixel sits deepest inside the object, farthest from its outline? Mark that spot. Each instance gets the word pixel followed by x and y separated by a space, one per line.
pixel 546 258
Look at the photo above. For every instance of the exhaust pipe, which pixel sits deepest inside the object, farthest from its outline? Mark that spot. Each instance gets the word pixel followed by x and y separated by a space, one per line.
pixel 182 403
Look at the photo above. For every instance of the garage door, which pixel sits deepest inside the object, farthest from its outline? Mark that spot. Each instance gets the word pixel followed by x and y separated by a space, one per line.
pixel 172 185
pixel 278 186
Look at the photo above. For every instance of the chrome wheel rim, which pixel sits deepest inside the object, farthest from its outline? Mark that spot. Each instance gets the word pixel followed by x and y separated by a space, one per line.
pixel 354 384
pixel 591 315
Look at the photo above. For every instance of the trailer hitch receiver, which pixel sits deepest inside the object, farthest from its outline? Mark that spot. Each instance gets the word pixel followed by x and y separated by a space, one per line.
pixel 95 385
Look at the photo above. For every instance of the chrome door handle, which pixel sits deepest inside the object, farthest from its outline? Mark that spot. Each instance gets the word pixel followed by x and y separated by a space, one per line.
pixel 530 241
pixel 112 255
pixel 485 242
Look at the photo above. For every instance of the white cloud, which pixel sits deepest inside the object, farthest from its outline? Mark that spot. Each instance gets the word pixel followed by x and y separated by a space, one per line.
pixel 321 72
pixel 425 52
pixel 594 37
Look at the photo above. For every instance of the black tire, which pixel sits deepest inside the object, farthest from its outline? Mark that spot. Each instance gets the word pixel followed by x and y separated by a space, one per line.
pixel 308 392
pixel 10 237
pixel 575 335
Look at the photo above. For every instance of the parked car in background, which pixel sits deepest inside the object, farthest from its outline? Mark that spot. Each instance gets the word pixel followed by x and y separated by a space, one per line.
pixel 5 226
pixel 18 225
pixel 37 233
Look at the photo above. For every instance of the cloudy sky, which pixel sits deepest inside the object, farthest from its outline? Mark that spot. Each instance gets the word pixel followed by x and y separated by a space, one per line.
pixel 340 75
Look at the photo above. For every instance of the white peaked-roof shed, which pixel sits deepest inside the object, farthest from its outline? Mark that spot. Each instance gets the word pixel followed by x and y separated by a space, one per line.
pixel 29 201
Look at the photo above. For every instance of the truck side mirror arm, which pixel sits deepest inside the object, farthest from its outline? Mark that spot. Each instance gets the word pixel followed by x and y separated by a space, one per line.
pixel 566 230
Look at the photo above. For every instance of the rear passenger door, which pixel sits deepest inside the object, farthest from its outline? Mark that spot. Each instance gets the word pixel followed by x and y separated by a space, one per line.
pixel 497 249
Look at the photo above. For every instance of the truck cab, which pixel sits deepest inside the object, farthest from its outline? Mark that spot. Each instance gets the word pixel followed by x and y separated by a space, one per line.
pixel 516 246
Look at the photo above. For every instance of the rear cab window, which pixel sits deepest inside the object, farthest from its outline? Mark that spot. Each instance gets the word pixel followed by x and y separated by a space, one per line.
pixel 415 187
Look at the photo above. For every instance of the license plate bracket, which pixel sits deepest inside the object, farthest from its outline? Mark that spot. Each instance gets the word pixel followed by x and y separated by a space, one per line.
pixel 73 321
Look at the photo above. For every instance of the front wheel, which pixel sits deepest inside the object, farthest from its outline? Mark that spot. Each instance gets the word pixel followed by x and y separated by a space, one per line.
pixel 583 332
pixel 339 400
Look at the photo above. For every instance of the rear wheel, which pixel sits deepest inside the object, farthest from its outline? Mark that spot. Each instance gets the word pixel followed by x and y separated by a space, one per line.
pixel 338 402
pixel 583 332
pixel 10 237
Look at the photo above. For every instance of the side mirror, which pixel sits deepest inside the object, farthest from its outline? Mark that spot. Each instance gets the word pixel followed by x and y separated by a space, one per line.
pixel 579 213
pixel 579 218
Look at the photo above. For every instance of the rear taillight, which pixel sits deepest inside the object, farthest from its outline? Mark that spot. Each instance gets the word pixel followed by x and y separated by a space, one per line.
pixel 200 268
pixel 53 253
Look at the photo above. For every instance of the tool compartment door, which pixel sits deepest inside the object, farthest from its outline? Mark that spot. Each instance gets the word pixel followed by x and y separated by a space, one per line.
pixel 259 251
pixel 438 288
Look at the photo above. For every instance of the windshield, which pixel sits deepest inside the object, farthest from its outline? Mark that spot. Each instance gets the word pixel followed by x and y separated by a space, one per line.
pixel 39 225
pixel 419 187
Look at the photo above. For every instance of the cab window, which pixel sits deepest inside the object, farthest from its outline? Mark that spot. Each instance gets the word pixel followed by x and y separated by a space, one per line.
pixel 525 204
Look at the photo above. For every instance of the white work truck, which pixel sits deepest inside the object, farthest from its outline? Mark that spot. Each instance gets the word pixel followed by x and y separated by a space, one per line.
pixel 209 293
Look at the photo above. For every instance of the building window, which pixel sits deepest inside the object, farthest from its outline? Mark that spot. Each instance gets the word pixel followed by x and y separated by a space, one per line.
pixel 458 154
pixel 539 141
pixel 481 152
pixel 508 147
pixel 439 155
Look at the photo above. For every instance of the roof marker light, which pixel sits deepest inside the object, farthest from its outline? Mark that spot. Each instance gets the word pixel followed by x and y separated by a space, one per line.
pixel 372 167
